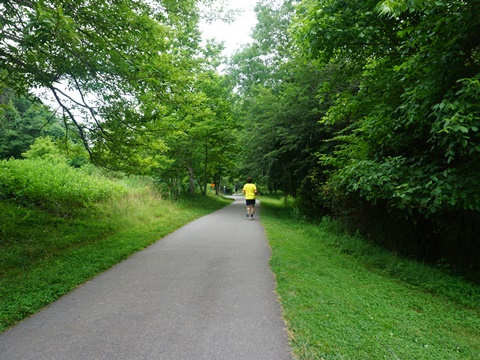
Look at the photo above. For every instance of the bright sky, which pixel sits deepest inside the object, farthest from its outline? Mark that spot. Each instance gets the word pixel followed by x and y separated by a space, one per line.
pixel 236 34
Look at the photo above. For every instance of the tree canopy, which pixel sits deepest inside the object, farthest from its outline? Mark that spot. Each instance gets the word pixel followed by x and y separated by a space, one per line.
pixel 369 110
pixel 364 110
pixel 114 67
pixel 126 74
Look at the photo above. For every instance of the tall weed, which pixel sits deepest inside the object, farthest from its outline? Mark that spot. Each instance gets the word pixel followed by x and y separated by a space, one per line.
pixel 43 254
pixel 53 186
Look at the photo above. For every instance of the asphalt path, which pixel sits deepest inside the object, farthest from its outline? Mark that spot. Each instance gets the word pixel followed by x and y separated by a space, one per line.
pixel 203 292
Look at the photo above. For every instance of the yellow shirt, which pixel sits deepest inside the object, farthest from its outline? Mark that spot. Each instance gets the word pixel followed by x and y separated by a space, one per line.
pixel 249 190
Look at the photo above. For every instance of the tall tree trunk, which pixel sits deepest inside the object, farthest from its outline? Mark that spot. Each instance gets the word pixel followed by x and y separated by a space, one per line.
pixel 218 183
pixel 191 179
pixel 205 168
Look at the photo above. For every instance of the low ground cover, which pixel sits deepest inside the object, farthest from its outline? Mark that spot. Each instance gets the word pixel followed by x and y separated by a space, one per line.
pixel 344 298
pixel 44 252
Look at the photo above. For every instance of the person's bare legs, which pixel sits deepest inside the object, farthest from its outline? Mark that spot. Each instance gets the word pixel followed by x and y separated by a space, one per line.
pixel 250 210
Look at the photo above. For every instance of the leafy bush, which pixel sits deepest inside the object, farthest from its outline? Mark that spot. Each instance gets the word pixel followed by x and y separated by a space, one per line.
pixel 53 186
pixel 44 148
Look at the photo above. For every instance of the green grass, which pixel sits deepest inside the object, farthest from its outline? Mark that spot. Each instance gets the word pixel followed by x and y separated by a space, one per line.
pixel 54 186
pixel 344 298
pixel 44 253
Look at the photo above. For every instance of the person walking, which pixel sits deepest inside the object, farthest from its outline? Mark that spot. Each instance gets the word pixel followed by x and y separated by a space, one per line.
pixel 250 191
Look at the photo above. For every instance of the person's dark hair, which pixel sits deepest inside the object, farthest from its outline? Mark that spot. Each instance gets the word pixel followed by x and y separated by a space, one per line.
pixel 249 180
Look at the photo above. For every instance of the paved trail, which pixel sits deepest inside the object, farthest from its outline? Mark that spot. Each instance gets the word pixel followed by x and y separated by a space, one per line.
pixel 203 292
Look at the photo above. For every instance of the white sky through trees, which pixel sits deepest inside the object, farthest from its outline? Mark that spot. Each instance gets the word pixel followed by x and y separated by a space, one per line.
pixel 235 34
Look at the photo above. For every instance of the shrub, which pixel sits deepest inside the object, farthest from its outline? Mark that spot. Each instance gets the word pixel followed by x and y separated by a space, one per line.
pixel 53 186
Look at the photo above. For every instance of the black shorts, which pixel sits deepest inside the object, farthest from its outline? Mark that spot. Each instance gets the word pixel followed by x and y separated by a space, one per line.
pixel 251 202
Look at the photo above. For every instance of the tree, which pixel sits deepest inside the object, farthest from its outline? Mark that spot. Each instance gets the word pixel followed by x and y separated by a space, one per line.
pixel 278 106
pixel 44 148
pixel 21 122
pixel 403 84
pixel 408 131
pixel 125 62
pixel 203 143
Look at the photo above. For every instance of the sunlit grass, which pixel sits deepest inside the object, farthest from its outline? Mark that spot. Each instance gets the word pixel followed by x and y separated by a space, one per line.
pixel 344 298
pixel 44 255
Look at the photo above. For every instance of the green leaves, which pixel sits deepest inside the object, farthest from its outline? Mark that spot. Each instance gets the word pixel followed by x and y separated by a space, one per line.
pixel 458 120
pixel 327 28
pixel 114 68
pixel 204 143
pixel 407 116
pixel 53 185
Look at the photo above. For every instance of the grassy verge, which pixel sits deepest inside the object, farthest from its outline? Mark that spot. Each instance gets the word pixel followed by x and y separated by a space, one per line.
pixel 346 299
pixel 44 254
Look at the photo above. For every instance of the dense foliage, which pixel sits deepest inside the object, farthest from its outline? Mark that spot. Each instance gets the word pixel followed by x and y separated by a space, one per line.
pixel 130 77
pixel 21 122
pixel 53 185
pixel 369 111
